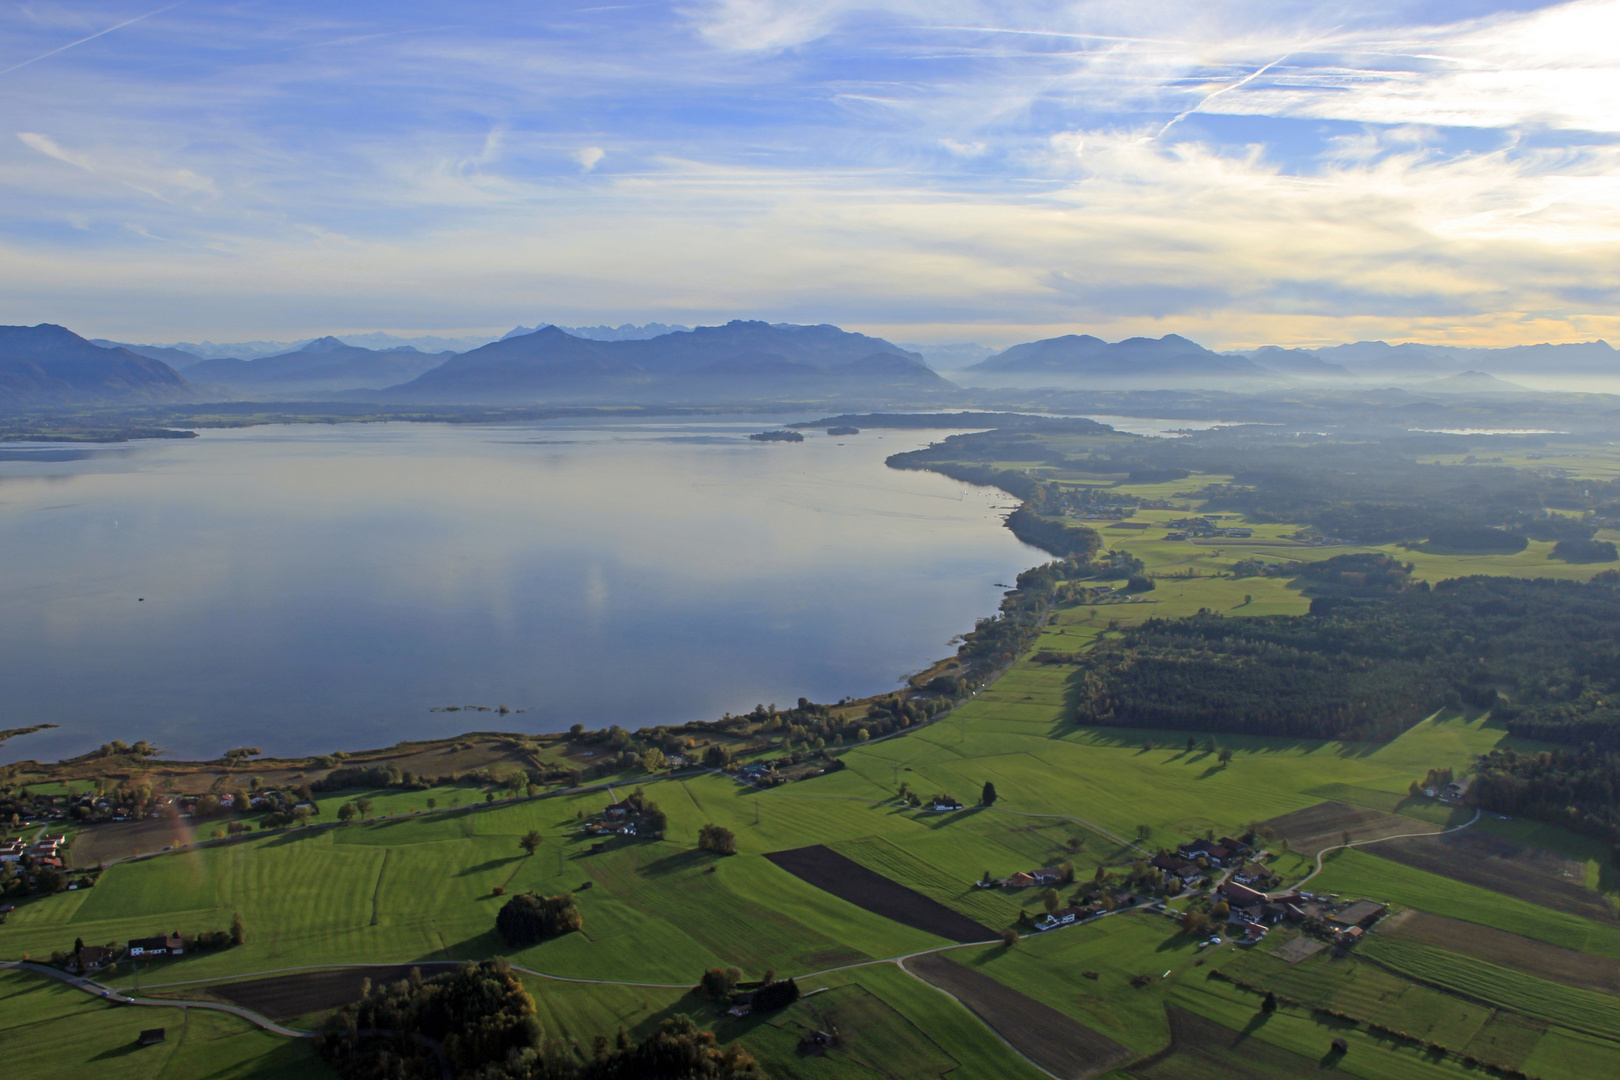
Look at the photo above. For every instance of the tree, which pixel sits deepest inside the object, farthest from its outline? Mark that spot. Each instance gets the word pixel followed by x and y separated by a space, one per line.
pixel 240 754
pixel 1269 1005
pixel 718 839
pixel 530 841
pixel 1009 938
pixel 717 984
pixel 862 735
pixel 348 812
pixel 364 805
pixel 238 929
pixel 775 995
pixel 716 756
pixel 987 797
pixel 432 802
pixel 528 918
pixel 1225 755
pixel 654 760
pixel 1051 901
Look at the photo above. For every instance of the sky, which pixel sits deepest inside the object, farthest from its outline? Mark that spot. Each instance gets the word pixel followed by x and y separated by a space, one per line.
pixel 1242 173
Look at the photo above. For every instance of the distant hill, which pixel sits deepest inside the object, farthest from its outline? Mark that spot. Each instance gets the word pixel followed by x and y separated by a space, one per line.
pixel 51 365
pixel 1137 358
pixel 1297 362
pixel 1473 382
pixel 1380 359
pixel 622 332
pixel 175 358
pixel 324 364
pixel 738 361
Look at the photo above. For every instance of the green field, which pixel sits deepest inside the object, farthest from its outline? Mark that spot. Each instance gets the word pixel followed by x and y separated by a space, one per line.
pixel 48 1029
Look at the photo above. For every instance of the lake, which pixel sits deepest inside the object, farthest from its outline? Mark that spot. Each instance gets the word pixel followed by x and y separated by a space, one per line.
pixel 312 588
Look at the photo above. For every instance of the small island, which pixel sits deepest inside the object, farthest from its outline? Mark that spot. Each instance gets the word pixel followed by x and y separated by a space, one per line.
pixel 843 431
pixel 777 436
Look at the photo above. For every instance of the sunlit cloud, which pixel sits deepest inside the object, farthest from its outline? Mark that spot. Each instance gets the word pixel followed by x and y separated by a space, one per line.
pixel 1240 172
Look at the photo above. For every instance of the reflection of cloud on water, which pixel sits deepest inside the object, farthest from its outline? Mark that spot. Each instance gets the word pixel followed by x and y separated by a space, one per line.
pixel 596 596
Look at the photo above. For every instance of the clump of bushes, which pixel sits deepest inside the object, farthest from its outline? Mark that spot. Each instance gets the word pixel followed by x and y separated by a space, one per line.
pixel 529 918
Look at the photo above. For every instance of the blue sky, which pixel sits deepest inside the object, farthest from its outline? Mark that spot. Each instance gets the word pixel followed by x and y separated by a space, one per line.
pixel 1243 173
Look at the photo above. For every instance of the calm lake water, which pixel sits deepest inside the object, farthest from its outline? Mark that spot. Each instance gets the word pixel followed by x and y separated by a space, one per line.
pixel 312 588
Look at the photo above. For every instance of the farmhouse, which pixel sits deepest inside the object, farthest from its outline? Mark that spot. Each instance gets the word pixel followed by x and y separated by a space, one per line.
pixel 945 802
pixel 1021 880
pixel 157 946
pixel 1240 896
pixel 12 850
pixel 1176 866
pixel 1061 917
pixel 1047 875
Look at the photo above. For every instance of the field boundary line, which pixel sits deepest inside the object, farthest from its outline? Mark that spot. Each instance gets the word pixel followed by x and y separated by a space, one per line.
pixel 901 964
pixel 1320 855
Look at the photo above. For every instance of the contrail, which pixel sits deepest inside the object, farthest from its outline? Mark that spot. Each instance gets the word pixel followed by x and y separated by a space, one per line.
pixel 92 37
pixel 1250 77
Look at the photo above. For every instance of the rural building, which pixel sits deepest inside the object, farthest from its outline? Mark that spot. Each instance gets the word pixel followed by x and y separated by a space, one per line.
pixel 150 1037
pixel 945 802
pixel 1061 917
pixel 157 946
pixel 1250 873
pixel 1360 913
pixel 92 956
pixel 1021 880
pixel 1240 896
pixel 1047 875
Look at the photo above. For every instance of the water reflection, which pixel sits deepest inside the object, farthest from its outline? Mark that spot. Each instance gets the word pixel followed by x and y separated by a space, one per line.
pixel 315 588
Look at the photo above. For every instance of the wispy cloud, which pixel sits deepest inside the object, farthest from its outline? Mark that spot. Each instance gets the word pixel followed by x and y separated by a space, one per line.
pixel 1241 171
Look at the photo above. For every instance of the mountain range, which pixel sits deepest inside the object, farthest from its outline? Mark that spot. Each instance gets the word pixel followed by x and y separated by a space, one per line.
pixel 740 360
pixel 1171 356
pixel 1380 359
pixel 51 365
pixel 325 364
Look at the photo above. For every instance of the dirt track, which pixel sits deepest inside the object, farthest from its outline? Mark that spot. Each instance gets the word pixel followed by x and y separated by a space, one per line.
pixel 1057 1043
pixel 1315 828
pixel 849 880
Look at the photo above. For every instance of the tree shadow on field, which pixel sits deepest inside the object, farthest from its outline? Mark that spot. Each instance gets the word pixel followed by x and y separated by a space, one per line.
pixel 119 1051
pixel 682 860
pixel 1256 1022
pixel 487 865
pixel 479 947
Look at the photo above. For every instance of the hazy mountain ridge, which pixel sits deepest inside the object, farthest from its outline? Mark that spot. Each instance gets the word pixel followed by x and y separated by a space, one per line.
pixel 1381 359
pixel 51 365
pixel 741 359
pixel 323 364
pixel 1138 357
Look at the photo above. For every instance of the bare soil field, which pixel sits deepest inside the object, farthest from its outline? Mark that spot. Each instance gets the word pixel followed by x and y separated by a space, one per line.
pixel 1201 1049
pixel 121 839
pixel 1298 949
pixel 1311 830
pixel 1504 866
pixel 849 880
pixel 1057 1043
pixel 281 997
pixel 1582 970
